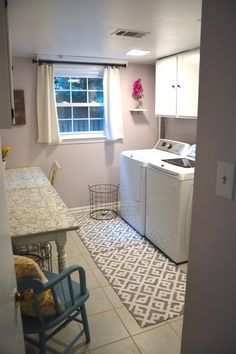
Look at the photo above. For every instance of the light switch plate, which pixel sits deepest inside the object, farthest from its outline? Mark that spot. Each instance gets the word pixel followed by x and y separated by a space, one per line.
pixel 225 179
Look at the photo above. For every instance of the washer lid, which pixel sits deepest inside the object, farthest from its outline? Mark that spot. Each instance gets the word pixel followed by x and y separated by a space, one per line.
pixel 176 171
pixel 182 162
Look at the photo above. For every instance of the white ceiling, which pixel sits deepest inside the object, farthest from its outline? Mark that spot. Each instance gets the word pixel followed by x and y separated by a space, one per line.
pixel 84 27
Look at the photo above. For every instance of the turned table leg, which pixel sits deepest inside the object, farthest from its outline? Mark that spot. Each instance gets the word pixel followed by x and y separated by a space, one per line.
pixel 61 251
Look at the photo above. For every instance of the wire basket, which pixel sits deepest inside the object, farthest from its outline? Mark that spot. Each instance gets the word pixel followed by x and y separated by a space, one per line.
pixel 41 253
pixel 103 201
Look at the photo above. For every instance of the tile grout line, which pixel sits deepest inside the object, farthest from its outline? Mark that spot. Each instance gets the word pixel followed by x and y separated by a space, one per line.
pixel 117 341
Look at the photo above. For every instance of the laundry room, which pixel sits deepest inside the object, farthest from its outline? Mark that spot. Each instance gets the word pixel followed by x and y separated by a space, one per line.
pixel 98 156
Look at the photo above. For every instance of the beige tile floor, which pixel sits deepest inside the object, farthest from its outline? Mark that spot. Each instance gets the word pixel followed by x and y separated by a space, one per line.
pixel 113 329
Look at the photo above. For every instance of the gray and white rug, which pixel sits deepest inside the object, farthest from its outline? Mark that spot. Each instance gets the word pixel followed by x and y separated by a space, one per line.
pixel 148 283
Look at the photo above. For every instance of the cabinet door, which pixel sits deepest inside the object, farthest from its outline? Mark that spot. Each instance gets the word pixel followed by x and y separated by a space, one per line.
pixel 187 85
pixel 6 92
pixel 166 80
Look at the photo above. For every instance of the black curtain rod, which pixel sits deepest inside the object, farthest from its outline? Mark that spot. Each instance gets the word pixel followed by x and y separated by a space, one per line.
pixel 42 61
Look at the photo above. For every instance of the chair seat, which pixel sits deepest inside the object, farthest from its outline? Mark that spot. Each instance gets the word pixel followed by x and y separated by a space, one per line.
pixel 33 325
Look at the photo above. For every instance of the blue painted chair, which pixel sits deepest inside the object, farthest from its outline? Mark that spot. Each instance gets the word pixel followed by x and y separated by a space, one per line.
pixel 69 301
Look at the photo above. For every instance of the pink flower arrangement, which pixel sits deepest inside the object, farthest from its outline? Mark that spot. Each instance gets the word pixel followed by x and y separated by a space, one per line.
pixel 137 93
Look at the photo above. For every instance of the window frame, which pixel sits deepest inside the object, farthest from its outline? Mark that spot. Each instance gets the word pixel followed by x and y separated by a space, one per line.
pixel 82 71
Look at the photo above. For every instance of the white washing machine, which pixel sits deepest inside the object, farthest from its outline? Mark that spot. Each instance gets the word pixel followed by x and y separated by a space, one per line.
pixel 133 172
pixel 169 205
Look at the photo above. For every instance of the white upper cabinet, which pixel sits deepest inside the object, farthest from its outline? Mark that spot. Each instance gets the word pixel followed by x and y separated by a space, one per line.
pixel 177 80
pixel 166 83
pixel 6 91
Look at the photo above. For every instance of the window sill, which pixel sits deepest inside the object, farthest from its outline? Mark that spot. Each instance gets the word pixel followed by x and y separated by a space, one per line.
pixel 82 140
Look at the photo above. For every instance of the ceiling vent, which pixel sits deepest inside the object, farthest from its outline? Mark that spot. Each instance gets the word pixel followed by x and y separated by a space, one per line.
pixel 129 33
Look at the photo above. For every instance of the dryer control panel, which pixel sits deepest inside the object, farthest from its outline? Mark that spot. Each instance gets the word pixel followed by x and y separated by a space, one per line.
pixel 175 147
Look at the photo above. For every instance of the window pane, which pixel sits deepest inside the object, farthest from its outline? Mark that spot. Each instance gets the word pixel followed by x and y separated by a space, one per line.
pixel 63 96
pixel 80 125
pixel 64 112
pixel 79 97
pixel 80 112
pixel 96 112
pixel 96 97
pixel 81 83
pixel 74 95
pixel 61 83
pixel 96 125
pixel 65 126
pixel 95 84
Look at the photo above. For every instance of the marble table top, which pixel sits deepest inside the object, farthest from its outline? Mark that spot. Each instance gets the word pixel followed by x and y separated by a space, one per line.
pixel 34 207
pixel 25 178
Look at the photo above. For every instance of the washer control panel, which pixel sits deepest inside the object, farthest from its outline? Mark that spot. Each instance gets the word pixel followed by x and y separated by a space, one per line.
pixel 175 147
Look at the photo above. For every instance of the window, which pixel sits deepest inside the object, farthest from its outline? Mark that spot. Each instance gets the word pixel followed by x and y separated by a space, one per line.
pixel 79 101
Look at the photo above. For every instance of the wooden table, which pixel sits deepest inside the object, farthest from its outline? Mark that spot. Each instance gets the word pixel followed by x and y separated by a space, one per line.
pixel 36 212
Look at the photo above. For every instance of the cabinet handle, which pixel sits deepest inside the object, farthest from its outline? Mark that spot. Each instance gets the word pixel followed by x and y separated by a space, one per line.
pixel 173 86
pixel 178 86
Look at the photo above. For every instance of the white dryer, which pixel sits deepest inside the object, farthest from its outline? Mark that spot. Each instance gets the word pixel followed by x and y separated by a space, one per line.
pixel 169 205
pixel 133 178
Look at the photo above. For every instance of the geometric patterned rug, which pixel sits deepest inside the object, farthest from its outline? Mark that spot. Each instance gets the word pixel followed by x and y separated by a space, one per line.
pixel 150 285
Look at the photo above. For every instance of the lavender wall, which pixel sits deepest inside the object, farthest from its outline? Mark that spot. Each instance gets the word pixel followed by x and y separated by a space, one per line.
pixel 82 164
pixel 210 312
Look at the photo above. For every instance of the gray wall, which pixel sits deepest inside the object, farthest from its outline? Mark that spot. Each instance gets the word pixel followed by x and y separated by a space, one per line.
pixel 210 312
pixel 181 129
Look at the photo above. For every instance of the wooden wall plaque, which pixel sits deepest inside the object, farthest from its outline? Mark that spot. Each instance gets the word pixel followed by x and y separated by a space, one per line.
pixel 19 102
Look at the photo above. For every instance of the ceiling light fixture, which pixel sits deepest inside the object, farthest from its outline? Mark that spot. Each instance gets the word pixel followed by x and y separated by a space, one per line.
pixel 138 52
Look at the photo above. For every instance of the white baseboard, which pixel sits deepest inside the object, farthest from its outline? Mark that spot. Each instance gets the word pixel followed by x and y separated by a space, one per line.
pixel 85 209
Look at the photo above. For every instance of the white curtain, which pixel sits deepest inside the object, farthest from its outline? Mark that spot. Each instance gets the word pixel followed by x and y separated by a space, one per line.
pixel 112 104
pixel 48 128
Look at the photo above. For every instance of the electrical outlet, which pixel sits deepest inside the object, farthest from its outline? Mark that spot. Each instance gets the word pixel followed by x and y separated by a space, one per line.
pixel 225 179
